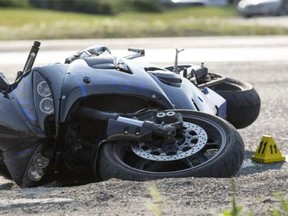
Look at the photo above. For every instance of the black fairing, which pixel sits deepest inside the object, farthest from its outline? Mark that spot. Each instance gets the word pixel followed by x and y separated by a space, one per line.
pixel 18 136
pixel 54 75
pixel 70 83
pixel 17 140
pixel 85 79
pixel 13 130
pixel 20 129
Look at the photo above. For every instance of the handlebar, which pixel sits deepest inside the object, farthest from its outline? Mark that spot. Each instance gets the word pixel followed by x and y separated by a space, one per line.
pixel 91 51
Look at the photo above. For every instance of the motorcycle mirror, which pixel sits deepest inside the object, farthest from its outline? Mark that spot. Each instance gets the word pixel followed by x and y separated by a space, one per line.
pixel 4 85
pixel 32 56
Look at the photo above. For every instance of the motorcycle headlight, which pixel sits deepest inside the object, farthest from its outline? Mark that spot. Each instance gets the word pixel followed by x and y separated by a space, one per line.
pixel 43 89
pixel 43 96
pixel 46 105
pixel 43 103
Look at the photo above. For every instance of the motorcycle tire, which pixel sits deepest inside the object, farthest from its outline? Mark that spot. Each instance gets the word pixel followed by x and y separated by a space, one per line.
pixel 221 156
pixel 243 101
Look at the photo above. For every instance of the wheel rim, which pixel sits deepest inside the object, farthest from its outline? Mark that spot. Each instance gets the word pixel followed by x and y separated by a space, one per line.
pixel 127 155
pixel 191 140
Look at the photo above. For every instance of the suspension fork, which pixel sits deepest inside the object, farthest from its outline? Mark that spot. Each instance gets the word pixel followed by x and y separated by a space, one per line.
pixel 119 127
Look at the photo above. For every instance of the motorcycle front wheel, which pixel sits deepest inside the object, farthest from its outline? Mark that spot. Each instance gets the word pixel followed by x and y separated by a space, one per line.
pixel 207 146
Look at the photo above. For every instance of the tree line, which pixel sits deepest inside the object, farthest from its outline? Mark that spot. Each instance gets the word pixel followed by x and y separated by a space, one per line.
pixel 105 7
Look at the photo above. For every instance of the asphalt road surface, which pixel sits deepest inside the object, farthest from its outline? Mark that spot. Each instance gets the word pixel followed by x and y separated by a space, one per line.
pixel 262 61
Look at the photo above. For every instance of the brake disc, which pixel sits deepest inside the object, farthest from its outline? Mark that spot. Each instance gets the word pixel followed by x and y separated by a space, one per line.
pixel 193 139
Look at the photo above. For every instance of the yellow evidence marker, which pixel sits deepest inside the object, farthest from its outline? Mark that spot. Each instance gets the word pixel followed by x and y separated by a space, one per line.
pixel 268 151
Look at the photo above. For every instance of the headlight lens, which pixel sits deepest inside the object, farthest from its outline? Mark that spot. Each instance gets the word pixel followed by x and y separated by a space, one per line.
pixel 43 101
pixel 46 105
pixel 43 89
pixel 43 96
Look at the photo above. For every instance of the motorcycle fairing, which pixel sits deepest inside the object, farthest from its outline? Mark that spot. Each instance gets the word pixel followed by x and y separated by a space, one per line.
pixel 19 131
pixel 193 98
pixel 21 126
pixel 94 76
pixel 183 94
pixel 82 81
pixel 17 160
pixel 54 74
pixel 14 130
pixel 18 120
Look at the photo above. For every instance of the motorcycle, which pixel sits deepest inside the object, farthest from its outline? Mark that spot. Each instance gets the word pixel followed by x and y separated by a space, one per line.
pixel 98 116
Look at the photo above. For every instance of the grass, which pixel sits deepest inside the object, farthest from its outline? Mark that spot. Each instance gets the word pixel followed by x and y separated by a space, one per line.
pixel 156 204
pixel 236 210
pixel 281 209
pixel 196 21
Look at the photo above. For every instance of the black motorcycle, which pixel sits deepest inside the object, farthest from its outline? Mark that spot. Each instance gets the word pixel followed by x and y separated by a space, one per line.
pixel 98 116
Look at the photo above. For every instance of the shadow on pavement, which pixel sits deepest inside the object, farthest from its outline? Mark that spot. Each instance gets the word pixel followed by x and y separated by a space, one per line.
pixel 251 167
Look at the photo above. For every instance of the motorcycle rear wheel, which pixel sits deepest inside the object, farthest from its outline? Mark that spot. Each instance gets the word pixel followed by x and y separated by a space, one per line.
pixel 243 101
pixel 221 156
